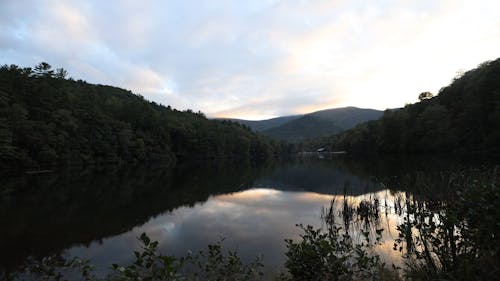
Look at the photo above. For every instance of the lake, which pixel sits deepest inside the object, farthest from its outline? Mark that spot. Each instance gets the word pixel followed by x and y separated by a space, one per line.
pixel 98 214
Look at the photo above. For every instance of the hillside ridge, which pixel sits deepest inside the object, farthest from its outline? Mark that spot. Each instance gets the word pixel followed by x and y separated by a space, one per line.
pixel 296 128
pixel 47 120
pixel 463 118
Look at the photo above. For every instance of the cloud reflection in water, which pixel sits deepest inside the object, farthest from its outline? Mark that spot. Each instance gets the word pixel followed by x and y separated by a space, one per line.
pixel 254 221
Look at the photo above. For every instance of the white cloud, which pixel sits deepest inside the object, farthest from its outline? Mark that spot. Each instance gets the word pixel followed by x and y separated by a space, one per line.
pixel 256 58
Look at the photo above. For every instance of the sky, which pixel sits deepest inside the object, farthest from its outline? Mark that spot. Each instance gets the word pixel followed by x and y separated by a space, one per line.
pixel 256 59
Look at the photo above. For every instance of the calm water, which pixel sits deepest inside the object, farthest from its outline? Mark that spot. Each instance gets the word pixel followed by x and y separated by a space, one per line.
pixel 98 215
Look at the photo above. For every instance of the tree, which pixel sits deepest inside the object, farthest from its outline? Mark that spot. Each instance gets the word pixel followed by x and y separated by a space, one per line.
pixel 43 69
pixel 425 96
pixel 46 120
pixel 61 73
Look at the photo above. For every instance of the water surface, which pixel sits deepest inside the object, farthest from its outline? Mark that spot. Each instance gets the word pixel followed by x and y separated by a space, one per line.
pixel 98 215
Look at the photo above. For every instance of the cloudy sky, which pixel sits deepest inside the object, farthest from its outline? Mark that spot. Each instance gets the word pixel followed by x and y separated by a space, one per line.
pixel 256 59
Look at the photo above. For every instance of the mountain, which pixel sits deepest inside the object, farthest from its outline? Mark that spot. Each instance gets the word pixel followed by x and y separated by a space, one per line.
pixel 296 128
pixel 302 128
pixel 347 117
pixel 322 123
pixel 262 125
pixel 47 120
pixel 463 118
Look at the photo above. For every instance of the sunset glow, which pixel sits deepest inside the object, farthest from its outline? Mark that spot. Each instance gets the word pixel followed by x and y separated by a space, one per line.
pixel 257 59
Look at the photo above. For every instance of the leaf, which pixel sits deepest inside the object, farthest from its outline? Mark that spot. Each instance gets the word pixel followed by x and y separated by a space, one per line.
pixel 145 239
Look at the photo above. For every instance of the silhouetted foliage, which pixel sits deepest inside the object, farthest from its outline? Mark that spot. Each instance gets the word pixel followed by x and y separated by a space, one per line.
pixel 46 120
pixel 463 118
pixel 213 264
pixel 331 255
pixel 456 238
pixel 425 96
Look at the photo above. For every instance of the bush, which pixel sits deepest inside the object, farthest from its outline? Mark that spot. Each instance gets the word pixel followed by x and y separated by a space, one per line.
pixel 331 255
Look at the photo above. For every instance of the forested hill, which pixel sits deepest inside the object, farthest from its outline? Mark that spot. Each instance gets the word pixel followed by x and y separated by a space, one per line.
pixel 322 123
pixel 296 128
pixel 262 125
pixel 463 118
pixel 47 120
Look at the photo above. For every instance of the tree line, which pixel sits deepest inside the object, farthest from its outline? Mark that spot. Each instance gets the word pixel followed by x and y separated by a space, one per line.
pixel 463 118
pixel 49 120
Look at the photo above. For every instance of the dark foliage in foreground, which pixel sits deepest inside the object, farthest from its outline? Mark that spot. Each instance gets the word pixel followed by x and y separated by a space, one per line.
pixel 150 265
pixel 47 120
pixel 455 239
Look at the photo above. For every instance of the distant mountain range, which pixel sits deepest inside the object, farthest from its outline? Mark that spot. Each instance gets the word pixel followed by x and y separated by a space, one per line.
pixel 262 125
pixel 296 128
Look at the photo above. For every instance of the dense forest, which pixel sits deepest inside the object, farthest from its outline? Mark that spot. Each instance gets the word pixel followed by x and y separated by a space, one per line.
pixel 463 118
pixel 48 120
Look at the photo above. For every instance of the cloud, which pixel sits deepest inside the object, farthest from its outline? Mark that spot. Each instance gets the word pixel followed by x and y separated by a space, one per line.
pixel 253 222
pixel 256 59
